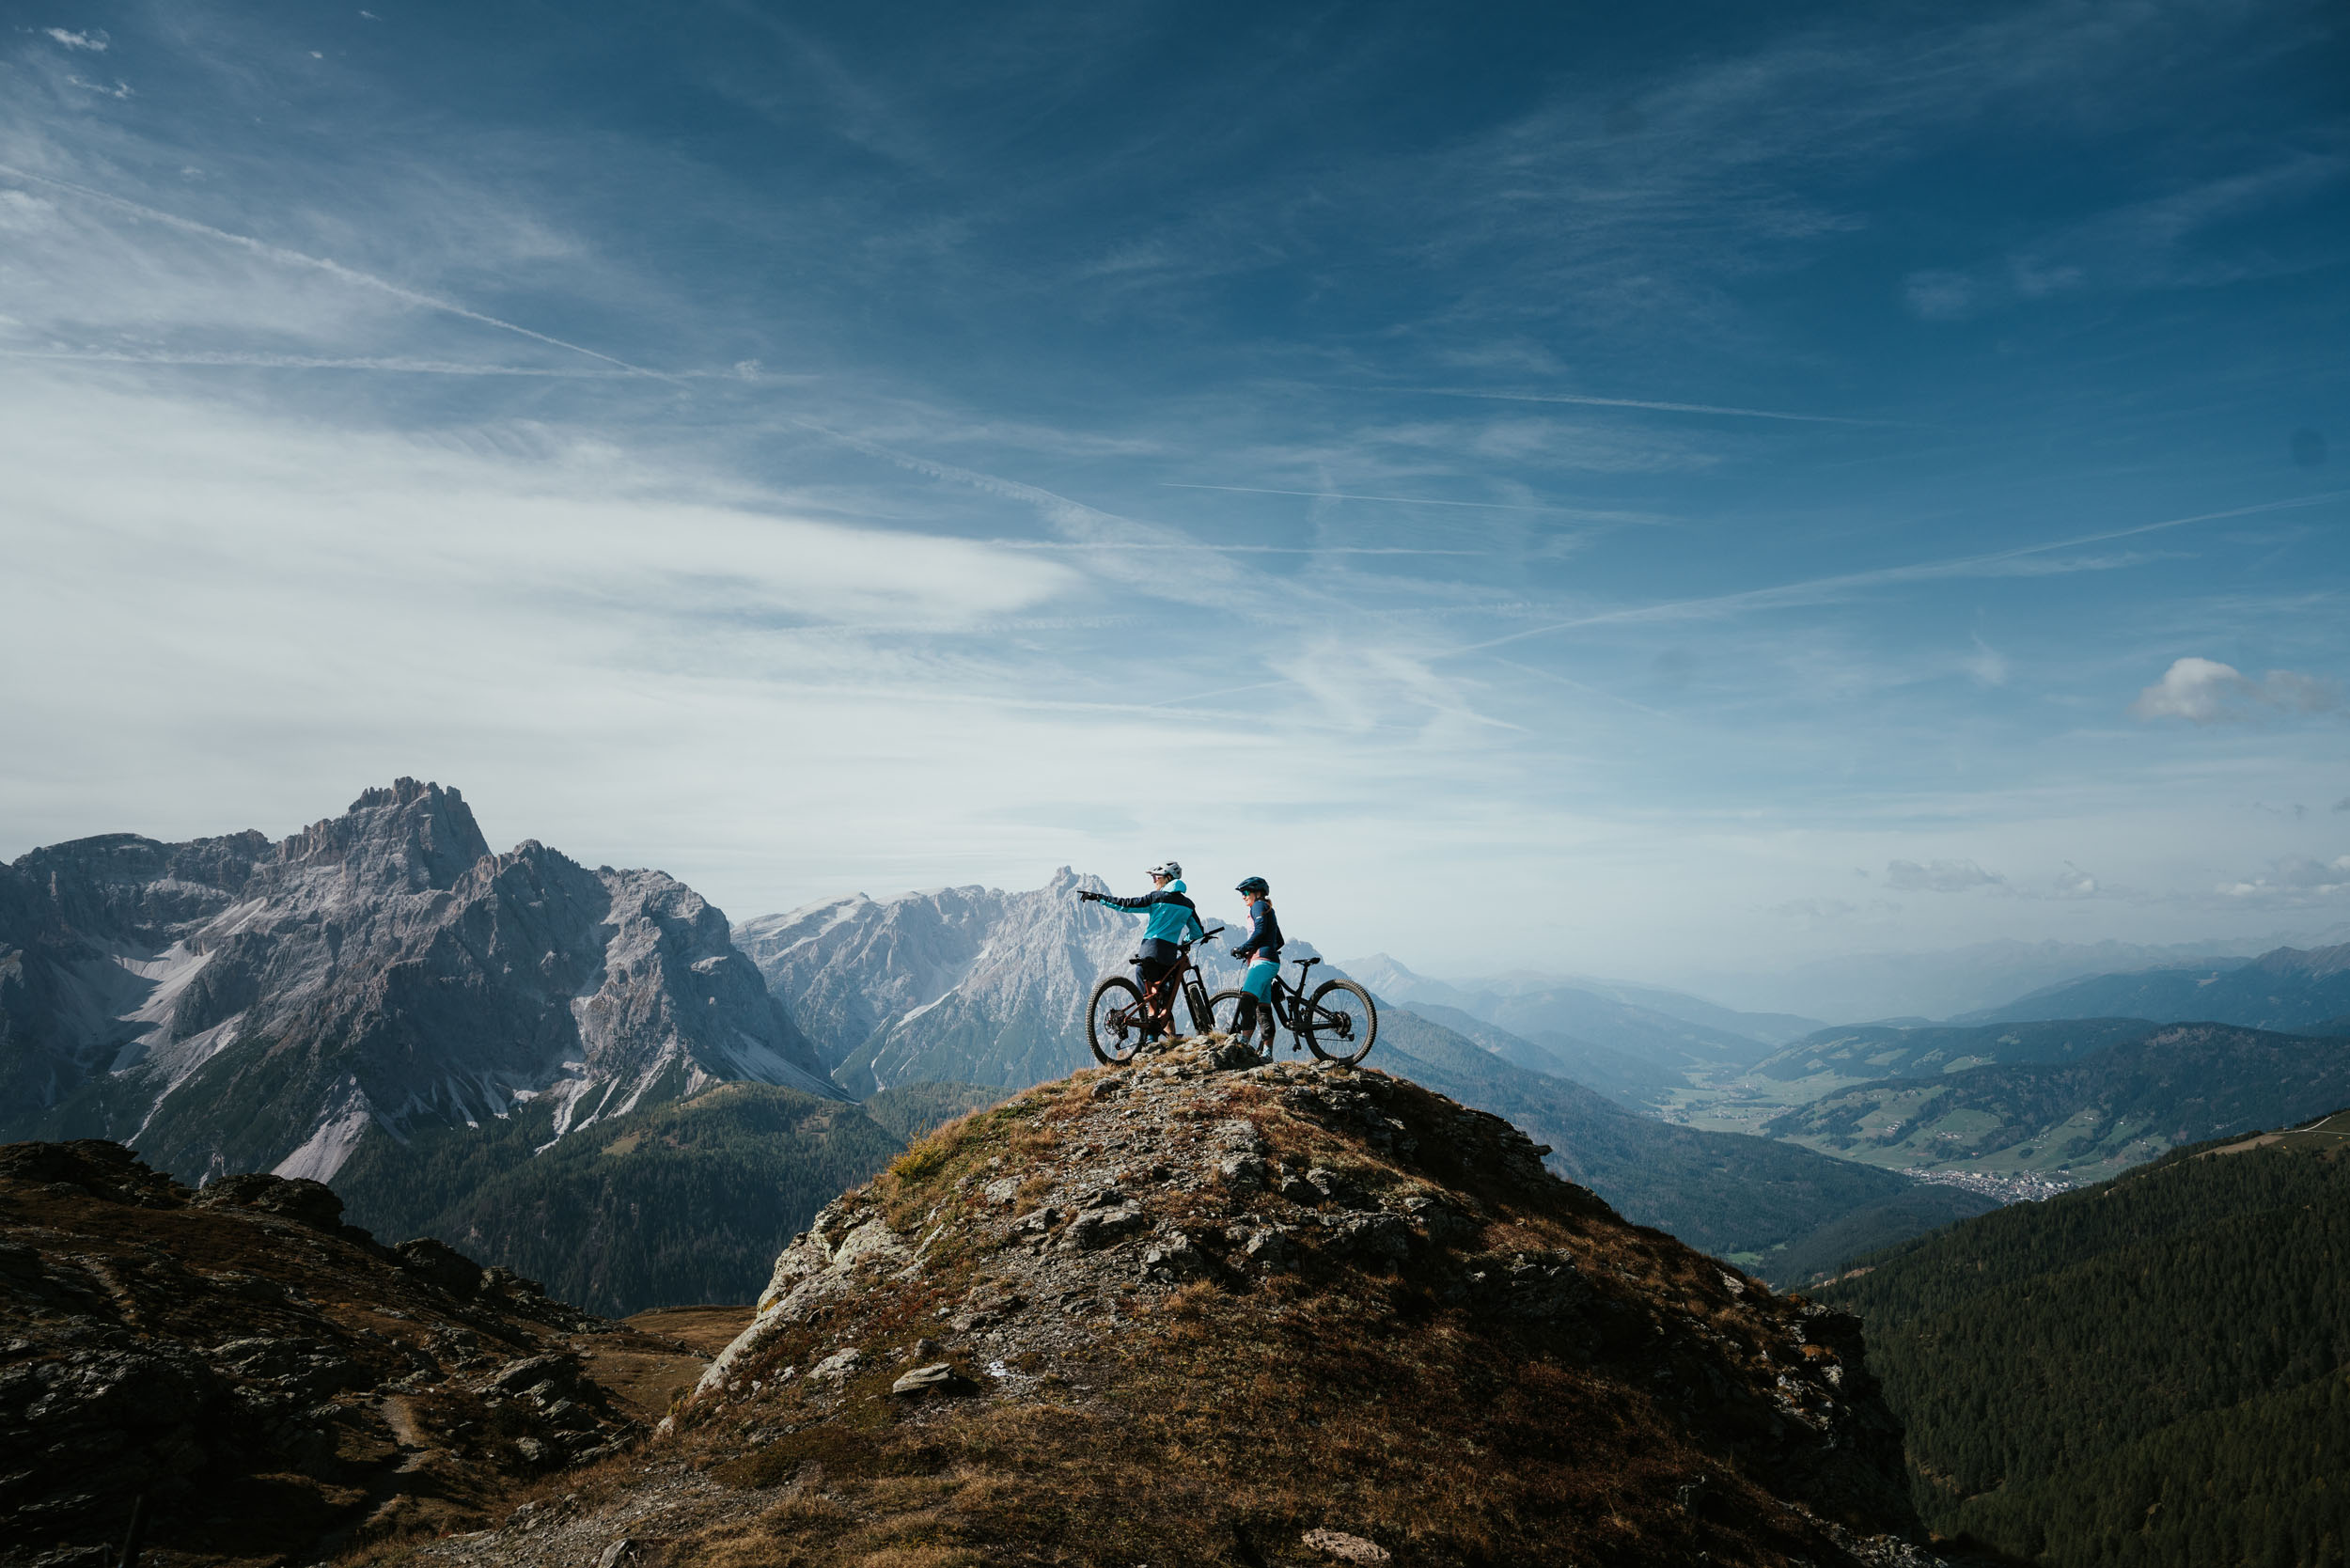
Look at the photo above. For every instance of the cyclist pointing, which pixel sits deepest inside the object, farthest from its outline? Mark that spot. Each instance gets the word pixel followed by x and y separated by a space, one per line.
pixel 1260 950
pixel 1173 920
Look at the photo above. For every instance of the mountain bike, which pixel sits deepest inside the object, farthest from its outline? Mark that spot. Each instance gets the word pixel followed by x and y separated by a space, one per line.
pixel 1119 1017
pixel 1337 1022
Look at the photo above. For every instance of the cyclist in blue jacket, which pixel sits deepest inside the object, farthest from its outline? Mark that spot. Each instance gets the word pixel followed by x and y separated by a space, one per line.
pixel 1260 950
pixel 1173 919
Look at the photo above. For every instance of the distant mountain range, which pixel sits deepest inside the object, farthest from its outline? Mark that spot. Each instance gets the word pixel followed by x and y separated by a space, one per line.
pixel 1629 1081
pixel 982 986
pixel 238 1004
pixel 1896 1051
pixel 2287 988
pixel 973 984
pixel 2156 1086
pixel 382 1001
pixel 1592 1025
pixel 1864 987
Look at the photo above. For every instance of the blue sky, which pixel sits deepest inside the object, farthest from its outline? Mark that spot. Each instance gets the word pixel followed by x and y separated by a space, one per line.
pixel 1641 494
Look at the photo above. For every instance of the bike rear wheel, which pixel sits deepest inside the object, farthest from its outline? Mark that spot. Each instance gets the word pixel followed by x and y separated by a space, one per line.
pixel 1114 1021
pixel 1225 1009
pixel 1339 1022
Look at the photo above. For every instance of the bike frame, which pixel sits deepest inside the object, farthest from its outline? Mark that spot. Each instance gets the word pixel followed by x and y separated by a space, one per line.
pixel 1285 1001
pixel 1184 980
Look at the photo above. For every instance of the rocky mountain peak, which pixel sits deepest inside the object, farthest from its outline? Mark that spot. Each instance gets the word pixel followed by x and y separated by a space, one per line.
pixel 1208 1309
pixel 230 1003
pixel 412 837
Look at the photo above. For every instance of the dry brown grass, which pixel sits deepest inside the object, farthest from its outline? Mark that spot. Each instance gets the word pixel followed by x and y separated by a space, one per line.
pixel 1232 1413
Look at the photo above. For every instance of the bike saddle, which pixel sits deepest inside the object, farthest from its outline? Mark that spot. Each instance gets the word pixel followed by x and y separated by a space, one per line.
pixel 1307 963
pixel 1134 958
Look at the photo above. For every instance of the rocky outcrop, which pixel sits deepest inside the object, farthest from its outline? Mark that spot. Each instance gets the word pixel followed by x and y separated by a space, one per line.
pixel 236 1004
pixel 1203 1310
pixel 268 1379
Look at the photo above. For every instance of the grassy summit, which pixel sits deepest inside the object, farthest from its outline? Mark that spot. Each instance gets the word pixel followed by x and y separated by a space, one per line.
pixel 1197 1311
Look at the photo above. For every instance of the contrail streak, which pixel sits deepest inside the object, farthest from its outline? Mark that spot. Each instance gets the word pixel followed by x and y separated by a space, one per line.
pixel 1401 500
pixel 308 362
pixel 1593 691
pixel 1623 403
pixel 1812 589
pixel 1227 549
pixel 284 257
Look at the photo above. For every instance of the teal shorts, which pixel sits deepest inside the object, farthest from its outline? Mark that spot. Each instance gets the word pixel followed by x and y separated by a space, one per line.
pixel 1259 980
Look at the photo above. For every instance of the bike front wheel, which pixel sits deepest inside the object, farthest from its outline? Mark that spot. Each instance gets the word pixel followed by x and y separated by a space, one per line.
pixel 1339 1022
pixel 1114 1021
pixel 1224 1009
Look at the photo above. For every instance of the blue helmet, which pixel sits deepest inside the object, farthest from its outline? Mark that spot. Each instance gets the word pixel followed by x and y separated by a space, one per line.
pixel 1255 887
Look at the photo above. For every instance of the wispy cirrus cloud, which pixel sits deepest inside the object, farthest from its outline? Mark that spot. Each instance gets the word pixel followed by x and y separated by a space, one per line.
pixel 2145 244
pixel 283 255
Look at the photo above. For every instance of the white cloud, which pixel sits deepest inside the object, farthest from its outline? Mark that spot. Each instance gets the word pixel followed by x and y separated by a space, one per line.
pixel 2074 882
pixel 94 43
pixel 1938 877
pixel 2205 690
pixel 2294 878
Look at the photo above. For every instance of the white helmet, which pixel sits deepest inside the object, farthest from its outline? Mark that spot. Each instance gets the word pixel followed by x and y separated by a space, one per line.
pixel 1169 870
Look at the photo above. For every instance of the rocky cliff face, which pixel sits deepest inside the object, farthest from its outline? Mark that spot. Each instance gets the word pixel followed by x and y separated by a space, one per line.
pixel 1206 1311
pixel 233 1003
pixel 965 984
pixel 270 1381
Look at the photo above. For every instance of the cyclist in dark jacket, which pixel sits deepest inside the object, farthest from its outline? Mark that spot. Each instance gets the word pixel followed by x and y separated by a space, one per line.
pixel 1173 920
pixel 1260 950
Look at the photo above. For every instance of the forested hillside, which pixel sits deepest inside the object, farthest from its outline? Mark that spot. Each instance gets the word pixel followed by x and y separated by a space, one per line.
pixel 684 1201
pixel 911 1110
pixel 2149 1372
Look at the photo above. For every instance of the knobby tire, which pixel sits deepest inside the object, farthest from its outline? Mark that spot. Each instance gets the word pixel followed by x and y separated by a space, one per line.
pixel 1340 1021
pixel 1114 1021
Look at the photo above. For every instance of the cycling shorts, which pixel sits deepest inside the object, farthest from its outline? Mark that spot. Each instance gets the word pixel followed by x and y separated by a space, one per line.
pixel 1259 980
